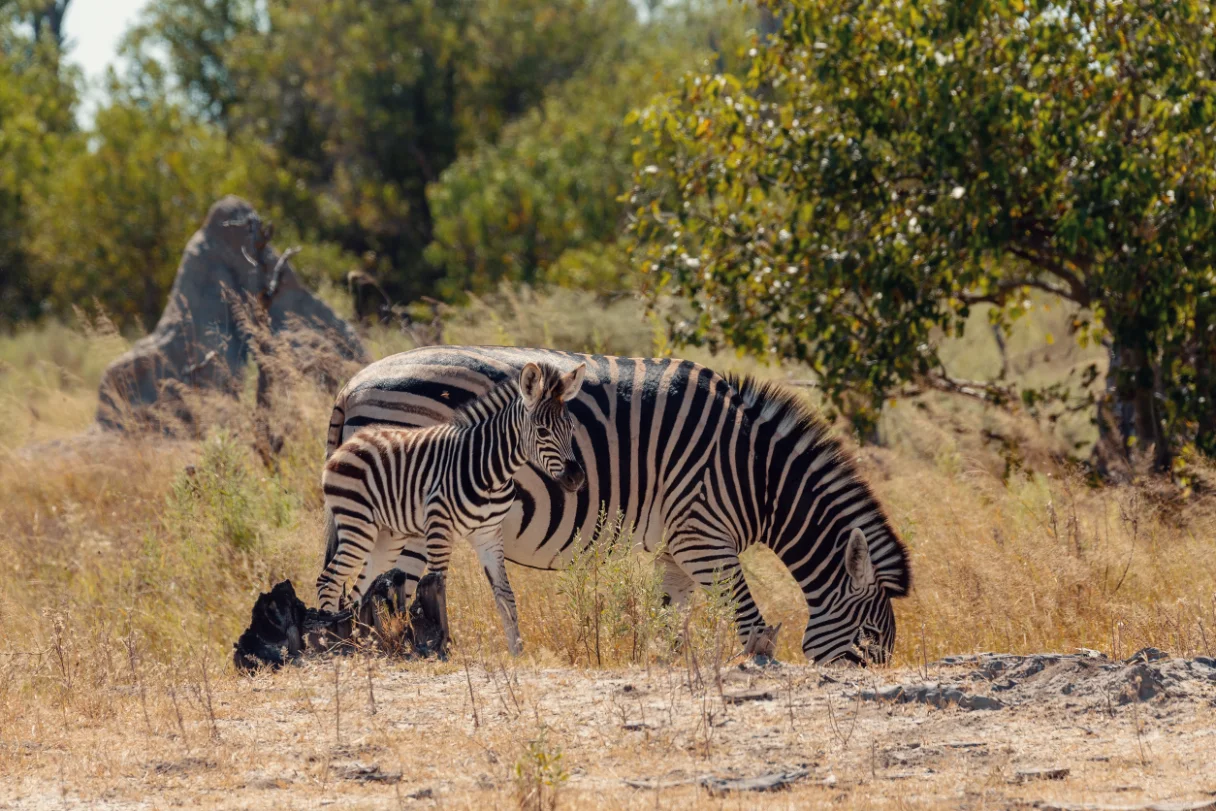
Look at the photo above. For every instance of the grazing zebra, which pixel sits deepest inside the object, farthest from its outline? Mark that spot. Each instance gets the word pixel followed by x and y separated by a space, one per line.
pixel 708 464
pixel 426 487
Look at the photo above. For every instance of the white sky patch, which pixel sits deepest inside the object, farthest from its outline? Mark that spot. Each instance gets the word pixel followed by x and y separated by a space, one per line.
pixel 93 30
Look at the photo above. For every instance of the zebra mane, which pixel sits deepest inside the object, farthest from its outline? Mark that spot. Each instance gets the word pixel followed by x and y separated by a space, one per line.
pixel 478 409
pixel 782 407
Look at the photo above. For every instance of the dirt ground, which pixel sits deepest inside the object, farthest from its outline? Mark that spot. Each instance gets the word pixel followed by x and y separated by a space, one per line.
pixel 357 732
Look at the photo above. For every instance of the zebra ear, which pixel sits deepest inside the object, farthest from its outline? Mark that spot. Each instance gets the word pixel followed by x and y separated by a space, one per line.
pixel 569 384
pixel 531 385
pixel 857 560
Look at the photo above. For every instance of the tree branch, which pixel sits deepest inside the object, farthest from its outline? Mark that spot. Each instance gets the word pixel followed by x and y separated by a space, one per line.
pixel 1003 289
pixel 991 393
pixel 276 276
pixel 1036 254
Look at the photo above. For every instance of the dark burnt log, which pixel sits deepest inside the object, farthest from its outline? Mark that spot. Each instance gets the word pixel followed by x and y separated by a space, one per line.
pixel 274 633
pixel 282 629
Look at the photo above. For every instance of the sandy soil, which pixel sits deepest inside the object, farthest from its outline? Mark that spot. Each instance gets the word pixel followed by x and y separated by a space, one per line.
pixel 1060 732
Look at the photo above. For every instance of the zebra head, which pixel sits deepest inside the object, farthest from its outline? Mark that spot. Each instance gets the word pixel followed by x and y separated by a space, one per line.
pixel 548 428
pixel 857 624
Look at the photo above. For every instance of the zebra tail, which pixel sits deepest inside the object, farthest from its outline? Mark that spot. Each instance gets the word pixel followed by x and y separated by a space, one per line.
pixel 337 421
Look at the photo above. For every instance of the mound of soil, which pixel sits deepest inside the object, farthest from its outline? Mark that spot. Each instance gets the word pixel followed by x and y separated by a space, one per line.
pixel 1088 679
pixel 199 343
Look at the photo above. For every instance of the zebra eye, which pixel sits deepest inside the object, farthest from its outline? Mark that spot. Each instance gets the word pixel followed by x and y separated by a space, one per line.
pixel 541 432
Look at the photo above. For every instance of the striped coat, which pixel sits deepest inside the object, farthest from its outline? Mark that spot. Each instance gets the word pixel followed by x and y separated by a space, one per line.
pixel 432 485
pixel 706 464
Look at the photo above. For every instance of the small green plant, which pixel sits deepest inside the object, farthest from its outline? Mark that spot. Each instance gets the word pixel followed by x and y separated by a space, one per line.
pixel 539 774
pixel 613 599
pixel 223 496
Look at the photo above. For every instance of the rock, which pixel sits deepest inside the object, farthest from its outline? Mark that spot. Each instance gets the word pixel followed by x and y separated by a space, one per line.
pixel 933 695
pixel 1146 655
pixel 1028 775
pixel 367 773
pixel 718 786
pixel 980 703
pixel 1142 683
pixel 282 629
pixel 197 346
pixel 274 636
pixel 1201 805
pixel 428 617
pixel 743 698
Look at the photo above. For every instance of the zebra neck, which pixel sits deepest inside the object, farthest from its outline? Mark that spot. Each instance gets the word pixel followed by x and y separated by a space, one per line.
pixel 812 499
pixel 493 448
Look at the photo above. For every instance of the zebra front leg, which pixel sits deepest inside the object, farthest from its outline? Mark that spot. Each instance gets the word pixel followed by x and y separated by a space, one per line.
pixel 487 542
pixel 356 538
pixel 412 560
pixel 713 563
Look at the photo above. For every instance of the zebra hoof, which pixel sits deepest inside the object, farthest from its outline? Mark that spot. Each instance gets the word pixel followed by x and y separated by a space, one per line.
pixel 765 660
pixel 762 644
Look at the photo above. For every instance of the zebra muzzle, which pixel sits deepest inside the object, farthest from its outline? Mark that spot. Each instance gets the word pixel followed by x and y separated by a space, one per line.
pixel 573 478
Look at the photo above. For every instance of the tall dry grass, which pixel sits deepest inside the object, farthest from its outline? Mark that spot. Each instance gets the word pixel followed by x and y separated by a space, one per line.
pixel 132 564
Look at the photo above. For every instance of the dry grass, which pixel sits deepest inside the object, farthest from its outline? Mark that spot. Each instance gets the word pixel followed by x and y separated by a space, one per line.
pixel 128 567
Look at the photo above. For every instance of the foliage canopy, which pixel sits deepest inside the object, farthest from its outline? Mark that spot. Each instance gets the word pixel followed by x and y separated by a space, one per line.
pixel 884 166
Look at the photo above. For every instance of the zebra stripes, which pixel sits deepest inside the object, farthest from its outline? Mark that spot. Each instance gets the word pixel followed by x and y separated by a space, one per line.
pixel 707 464
pixel 389 488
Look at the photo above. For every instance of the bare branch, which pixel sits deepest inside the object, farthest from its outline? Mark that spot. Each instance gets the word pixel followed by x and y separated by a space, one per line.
pixel 194 367
pixel 1003 289
pixel 1036 254
pixel 276 275
pixel 986 392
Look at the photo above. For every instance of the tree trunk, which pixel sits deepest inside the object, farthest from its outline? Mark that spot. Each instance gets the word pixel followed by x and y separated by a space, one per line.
pixel 152 304
pixel 1131 434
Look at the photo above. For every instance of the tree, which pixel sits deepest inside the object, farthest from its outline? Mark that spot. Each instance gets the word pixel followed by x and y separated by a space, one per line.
pixel 363 104
pixel 198 38
pixel 37 106
pixel 543 203
pixel 884 166
pixel 111 222
pixel 510 210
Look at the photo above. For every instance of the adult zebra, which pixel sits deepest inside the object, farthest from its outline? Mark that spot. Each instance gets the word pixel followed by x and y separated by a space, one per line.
pixel 709 464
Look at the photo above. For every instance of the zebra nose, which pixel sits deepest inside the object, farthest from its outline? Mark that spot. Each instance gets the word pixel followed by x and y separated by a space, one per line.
pixel 572 478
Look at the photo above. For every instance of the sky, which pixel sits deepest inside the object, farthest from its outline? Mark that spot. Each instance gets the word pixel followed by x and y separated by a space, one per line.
pixel 94 29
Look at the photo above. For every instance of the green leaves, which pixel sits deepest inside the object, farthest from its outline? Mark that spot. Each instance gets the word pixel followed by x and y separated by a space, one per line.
pixel 915 159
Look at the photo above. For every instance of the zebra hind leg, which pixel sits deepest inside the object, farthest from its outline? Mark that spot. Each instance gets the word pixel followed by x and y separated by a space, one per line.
pixel 356 538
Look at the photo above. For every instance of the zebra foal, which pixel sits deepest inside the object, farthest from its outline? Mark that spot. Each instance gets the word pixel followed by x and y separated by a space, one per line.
pixel 433 485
